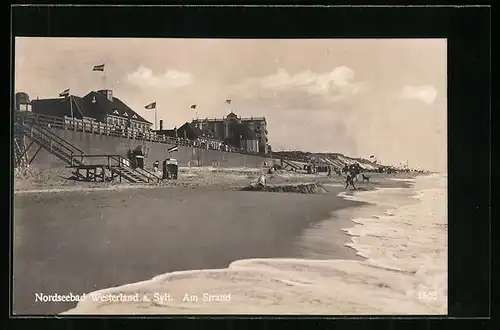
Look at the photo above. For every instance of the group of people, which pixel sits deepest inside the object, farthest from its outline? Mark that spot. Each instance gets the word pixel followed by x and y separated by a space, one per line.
pixel 351 172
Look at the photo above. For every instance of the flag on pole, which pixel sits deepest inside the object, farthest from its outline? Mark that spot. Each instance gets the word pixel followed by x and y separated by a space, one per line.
pixel 172 149
pixel 99 67
pixel 228 101
pixel 64 93
pixel 193 106
pixel 372 156
pixel 150 106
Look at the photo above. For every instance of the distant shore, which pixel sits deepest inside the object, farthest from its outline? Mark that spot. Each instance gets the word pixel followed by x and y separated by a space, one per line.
pixel 82 241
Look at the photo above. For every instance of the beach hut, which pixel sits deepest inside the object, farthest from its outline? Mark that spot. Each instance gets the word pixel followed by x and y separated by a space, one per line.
pixel 170 169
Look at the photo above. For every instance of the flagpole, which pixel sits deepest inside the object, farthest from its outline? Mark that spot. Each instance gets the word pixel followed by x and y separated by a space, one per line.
pixel 71 106
pixel 156 126
pixel 104 78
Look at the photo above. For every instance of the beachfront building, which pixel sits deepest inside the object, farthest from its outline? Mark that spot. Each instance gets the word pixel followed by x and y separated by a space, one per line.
pixel 100 106
pixel 166 132
pixel 195 136
pixel 246 133
pixel 23 103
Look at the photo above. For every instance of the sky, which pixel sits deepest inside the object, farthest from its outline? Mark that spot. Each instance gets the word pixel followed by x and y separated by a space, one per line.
pixel 359 97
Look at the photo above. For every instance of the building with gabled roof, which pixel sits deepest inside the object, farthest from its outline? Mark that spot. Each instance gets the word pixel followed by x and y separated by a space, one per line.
pixel 101 106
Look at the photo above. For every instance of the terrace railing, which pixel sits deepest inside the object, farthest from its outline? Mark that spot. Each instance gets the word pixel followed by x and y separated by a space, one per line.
pixel 50 142
pixel 95 127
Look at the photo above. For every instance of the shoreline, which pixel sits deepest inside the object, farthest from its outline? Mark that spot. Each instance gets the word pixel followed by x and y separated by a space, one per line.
pixel 52 180
pixel 210 280
pixel 132 235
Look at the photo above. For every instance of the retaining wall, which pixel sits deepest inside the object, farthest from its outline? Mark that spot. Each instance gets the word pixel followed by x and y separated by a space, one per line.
pixel 105 144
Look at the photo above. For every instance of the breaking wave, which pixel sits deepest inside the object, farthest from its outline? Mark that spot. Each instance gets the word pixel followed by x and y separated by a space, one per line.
pixel 401 234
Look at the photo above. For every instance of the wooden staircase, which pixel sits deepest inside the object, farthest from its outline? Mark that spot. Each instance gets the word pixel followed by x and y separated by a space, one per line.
pixel 136 175
pixel 285 164
pixel 74 157
pixel 51 142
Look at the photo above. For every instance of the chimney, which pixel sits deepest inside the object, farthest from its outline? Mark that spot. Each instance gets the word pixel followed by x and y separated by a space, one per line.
pixel 108 93
pixel 161 124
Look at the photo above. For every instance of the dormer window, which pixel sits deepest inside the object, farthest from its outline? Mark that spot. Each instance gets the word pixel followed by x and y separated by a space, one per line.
pixel 25 107
pixel 125 114
pixel 134 116
pixel 116 112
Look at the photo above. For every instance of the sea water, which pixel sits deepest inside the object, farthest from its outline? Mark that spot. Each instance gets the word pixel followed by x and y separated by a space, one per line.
pixel 401 236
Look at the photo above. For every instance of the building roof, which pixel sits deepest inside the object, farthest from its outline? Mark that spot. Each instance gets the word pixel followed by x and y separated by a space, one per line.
pixel 22 98
pixel 57 107
pixel 166 132
pixel 97 102
pixel 231 115
pixel 193 132
pixel 93 105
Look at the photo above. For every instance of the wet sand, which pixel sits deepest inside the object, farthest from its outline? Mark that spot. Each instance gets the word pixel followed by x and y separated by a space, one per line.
pixel 82 241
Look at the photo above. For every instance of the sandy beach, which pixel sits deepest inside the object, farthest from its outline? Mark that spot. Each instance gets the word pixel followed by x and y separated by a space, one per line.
pixel 78 239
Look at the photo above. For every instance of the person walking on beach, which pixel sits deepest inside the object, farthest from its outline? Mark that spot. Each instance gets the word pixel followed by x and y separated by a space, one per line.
pixel 349 180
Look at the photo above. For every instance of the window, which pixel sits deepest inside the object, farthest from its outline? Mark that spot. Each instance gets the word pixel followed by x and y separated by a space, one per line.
pixel 24 107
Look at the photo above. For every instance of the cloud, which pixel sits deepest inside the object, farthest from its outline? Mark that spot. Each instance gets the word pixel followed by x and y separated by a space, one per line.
pixel 144 78
pixel 333 85
pixel 424 93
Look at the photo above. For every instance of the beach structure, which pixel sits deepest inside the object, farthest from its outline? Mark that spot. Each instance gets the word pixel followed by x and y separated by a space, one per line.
pixel 100 106
pixel 100 127
pixel 86 167
pixel 246 133
pixel 22 104
pixel 98 130
pixel 170 169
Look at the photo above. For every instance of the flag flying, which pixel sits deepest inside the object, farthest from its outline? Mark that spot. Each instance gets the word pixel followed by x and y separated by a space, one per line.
pixel 99 67
pixel 372 156
pixel 64 93
pixel 150 106
pixel 172 149
pixel 193 106
pixel 228 101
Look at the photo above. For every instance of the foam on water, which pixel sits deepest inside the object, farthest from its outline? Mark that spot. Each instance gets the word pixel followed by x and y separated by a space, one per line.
pixel 405 271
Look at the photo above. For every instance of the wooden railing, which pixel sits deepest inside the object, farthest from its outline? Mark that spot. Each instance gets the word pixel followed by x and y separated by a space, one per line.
pixel 50 140
pixel 112 161
pixel 95 127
